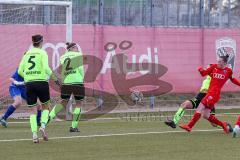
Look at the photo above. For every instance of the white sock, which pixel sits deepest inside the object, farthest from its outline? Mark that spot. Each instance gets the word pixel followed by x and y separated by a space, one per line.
pixel 35 135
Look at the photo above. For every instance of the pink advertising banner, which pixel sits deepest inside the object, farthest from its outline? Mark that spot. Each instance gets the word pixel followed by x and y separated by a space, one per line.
pixel 181 50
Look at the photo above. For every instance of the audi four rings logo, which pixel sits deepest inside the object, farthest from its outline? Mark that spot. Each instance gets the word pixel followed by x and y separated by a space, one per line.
pixel 218 76
pixel 55 51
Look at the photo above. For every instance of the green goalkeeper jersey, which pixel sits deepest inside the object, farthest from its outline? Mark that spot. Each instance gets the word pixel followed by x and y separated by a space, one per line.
pixel 34 66
pixel 72 68
pixel 205 84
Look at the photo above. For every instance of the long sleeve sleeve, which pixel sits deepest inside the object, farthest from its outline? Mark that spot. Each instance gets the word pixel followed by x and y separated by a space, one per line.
pixel 207 71
pixel 235 81
pixel 46 65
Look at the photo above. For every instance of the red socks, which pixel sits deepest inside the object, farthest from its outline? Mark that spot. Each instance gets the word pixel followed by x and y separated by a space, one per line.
pixel 214 120
pixel 238 121
pixel 194 119
pixel 211 119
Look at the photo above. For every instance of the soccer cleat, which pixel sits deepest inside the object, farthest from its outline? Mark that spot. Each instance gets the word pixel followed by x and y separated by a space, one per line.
pixel 230 128
pixel 170 123
pixel 225 127
pixel 44 134
pixel 35 139
pixel 235 131
pixel 3 122
pixel 234 135
pixel 186 127
pixel 74 129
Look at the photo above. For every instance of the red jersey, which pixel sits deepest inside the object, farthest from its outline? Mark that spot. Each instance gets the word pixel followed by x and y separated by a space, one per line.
pixel 219 78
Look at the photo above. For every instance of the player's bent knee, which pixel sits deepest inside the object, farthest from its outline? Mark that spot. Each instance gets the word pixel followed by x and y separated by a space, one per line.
pixel 33 110
pixel 200 108
pixel 45 106
pixel 64 102
pixel 17 103
pixel 186 105
pixel 205 116
pixel 206 113
pixel 39 107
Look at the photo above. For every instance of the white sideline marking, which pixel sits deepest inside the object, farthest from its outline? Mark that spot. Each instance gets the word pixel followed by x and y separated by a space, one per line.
pixel 120 118
pixel 18 122
pixel 111 135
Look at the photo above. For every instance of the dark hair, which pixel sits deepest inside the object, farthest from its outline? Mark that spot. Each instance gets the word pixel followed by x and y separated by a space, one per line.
pixel 70 45
pixel 225 58
pixel 37 39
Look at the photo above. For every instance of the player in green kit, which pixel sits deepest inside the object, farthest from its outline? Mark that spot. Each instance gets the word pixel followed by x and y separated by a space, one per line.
pixel 72 72
pixel 190 104
pixel 35 70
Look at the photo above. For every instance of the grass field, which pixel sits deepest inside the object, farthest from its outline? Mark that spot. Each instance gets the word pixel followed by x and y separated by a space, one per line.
pixel 119 140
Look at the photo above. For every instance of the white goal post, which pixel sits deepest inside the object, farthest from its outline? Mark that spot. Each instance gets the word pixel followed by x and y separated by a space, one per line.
pixel 32 3
pixel 68 6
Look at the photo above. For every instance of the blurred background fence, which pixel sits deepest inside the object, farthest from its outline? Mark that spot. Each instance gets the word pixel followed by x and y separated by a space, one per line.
pixel 163 13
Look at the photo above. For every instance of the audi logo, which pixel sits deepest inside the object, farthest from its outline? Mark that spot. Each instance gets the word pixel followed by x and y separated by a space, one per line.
pixel 218 76
pixel 55 52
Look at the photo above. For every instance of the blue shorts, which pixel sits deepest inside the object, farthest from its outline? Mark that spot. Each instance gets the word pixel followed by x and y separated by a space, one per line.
pixel 17 91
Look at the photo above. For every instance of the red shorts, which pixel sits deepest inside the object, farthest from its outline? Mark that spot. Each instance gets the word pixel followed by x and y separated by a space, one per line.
pixel 210 100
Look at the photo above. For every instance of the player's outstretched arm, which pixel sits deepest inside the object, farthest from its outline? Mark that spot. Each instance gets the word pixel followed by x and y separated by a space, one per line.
pixel 235 81
pixel 17 83
pixel 48 70
pixel 207 71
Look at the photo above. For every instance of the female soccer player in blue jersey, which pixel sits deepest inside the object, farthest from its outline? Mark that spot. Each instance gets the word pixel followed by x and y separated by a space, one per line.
pixel 18 92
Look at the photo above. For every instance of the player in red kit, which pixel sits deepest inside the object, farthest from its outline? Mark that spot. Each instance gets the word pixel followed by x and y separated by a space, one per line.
pixel 220 73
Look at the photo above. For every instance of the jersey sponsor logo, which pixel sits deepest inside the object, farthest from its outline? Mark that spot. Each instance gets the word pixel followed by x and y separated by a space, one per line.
pixel 70 72
pixel 218 76
pixel 151 56
pixel 33 72
pixel 224 46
